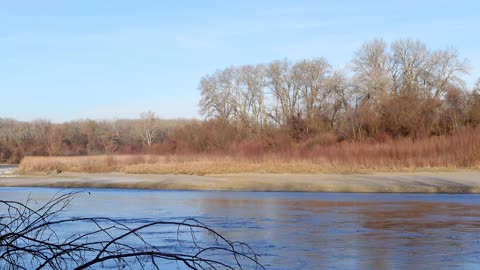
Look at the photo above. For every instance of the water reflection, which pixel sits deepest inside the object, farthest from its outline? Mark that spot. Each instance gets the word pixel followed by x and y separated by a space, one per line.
pixel 311 231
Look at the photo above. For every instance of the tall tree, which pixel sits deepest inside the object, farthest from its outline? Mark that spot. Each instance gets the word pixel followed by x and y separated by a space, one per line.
pixel 217 95
pixel 371 67
pixel 149 127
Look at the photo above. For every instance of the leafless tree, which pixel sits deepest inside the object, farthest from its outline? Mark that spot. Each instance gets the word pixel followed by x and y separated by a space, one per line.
pixel 446 69
pixel 149 127
pixel 32 238
pixel 454 107
pixel 11 130
pixel 311 77
pixel 345 101
pixel 217 93
pixel 285 90
pixel 473 106
pixel 409 64
pixel 48 135
pixel 371 67
pixel 249 95
pixel 418 71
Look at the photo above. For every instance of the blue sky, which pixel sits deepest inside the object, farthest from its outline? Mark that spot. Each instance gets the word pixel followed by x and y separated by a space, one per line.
pixel 65 60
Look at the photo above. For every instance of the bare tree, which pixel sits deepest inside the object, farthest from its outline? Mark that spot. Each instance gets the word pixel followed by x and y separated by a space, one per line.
pixel 32 238
pixel 250 97
pixel 371 67
pixel 149 127
pixel 409 64
pixel 473 106
pixel 11 130
pixel 311 77
pixel 285 91
pixel 345 101
pixel 425 74
pixel 446 69
pixel 217 93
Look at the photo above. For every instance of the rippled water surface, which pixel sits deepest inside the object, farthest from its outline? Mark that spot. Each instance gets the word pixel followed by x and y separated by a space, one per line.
pixel 309 230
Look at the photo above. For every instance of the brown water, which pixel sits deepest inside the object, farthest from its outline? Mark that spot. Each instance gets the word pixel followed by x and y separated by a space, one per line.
pixel 308 230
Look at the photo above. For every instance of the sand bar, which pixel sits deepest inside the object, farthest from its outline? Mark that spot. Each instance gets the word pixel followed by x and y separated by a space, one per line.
pixel 427 182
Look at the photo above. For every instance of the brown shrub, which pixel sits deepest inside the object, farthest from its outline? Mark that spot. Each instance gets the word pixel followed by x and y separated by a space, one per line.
pixel 458 151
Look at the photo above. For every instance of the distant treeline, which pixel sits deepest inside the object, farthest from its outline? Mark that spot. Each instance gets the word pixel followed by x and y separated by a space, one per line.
pixel 402 89
pixel 386 92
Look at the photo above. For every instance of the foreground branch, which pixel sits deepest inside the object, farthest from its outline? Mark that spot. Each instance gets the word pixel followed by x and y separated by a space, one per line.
pixel 39 238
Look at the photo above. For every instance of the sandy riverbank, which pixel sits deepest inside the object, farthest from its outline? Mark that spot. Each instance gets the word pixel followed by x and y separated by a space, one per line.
pixel 427 182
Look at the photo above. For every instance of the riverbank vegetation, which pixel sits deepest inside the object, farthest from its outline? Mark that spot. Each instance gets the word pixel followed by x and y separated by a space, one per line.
pixel 398 106
pixel 460 151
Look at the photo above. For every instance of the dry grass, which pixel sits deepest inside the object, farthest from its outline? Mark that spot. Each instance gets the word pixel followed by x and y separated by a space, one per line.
pixel 432 154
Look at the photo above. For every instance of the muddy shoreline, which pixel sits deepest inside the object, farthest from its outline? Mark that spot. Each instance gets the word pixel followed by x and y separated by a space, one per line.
pixel 428 182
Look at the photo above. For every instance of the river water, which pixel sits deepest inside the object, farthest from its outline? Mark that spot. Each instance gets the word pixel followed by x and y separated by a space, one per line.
pixel 7 170
pixel 308 230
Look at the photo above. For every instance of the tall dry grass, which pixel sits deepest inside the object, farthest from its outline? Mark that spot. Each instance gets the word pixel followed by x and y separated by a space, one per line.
pixel 461 151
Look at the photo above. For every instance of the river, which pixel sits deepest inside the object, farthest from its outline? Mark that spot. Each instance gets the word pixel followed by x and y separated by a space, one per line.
pixel 308 230
pixel 7 170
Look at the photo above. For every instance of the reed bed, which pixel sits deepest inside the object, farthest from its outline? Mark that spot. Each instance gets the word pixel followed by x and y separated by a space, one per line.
pixel 453 152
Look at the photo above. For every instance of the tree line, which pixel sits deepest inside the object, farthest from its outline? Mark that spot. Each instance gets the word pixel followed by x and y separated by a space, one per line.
pixel 402 89
pixel 84 137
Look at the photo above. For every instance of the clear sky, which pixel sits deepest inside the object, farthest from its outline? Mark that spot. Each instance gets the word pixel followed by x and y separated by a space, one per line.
pixel 105 59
